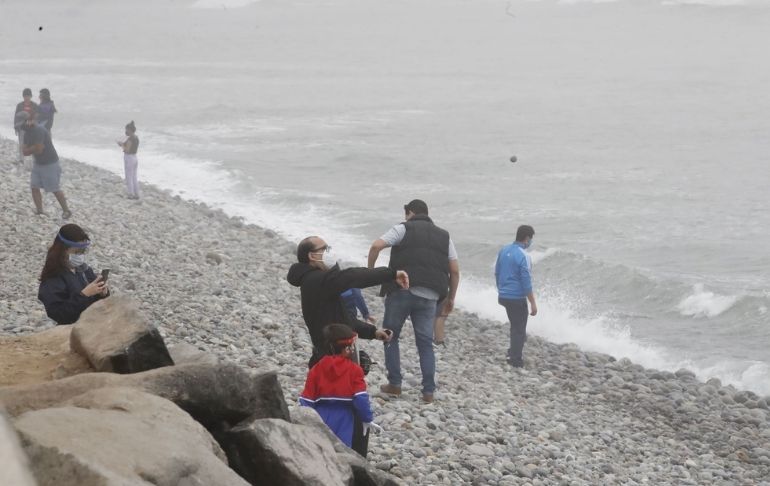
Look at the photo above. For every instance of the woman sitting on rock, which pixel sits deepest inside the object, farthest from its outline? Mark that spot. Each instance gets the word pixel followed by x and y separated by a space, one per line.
pixel 67 284
pixel 335 386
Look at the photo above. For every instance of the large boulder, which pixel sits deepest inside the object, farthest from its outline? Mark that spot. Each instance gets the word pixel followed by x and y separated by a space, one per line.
pixel 121 436
pixel 218 396
pixel 364 474
pixel 38 357
pixel 272 451
pixel 14 466
pixel 114 336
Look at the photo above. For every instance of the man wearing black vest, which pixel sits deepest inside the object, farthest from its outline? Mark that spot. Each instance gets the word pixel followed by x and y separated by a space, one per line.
pixel 428 255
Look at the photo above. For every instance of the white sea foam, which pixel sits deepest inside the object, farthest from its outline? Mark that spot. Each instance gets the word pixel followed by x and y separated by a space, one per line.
pixel 538 255
pixel 557 322
pixel 703 303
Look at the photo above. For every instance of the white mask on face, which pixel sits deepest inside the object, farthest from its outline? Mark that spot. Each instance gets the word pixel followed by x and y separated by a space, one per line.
pixel 77 259
pixel 329 259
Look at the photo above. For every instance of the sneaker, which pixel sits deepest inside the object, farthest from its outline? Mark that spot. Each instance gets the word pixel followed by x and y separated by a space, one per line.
pixel 391 389
pixel 66 215
pixel 427 398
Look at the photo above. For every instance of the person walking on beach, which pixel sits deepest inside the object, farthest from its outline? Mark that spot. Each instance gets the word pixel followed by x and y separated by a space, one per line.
pixel 45 110
pixel 130 163
pixel 46 170
pixel 428 255
pixel 321 281
pixel 513 275
pixel 30 108
pixel 68 286
pixel 335 387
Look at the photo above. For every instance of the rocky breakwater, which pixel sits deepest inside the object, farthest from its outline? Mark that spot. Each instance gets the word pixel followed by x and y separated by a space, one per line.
pixel 162 417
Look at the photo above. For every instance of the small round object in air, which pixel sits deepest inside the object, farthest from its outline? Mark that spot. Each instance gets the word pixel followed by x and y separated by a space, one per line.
pixel 513 158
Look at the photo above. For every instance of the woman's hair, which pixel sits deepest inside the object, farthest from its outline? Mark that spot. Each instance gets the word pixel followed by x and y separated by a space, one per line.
pixel 45 95
pixel 56 259
pixel 131 126
pixel 333 334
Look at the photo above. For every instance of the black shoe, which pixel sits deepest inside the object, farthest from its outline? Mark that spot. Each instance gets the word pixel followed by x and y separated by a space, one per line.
pixel 515 364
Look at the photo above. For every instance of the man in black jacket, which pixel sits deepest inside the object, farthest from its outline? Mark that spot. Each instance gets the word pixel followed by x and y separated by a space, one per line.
pixel 321 282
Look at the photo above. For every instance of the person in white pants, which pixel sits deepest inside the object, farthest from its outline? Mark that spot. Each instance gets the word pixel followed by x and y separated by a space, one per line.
pixel 130 162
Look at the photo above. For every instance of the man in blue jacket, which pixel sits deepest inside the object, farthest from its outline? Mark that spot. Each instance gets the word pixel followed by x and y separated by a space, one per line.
pixel 513 274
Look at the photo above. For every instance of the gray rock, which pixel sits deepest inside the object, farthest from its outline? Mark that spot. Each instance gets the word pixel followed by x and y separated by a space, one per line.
pixel 272 451
pixel 14 465
pixel 121 436
pixel 114 337
pixel 216 396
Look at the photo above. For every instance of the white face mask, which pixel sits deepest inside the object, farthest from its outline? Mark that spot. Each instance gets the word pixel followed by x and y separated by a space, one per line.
pixel 327 258
pixel 77 259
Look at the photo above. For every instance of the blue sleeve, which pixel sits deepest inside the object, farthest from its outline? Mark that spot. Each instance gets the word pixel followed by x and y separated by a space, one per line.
pixel 59 306
pixel 360 303
pixel 497 269
pixel 526 276
pixel 362 407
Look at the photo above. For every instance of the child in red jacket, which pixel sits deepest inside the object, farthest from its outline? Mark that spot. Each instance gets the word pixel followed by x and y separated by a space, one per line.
pixel 335 386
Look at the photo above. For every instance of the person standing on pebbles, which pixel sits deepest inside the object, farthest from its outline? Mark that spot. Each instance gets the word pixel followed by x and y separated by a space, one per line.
pixel 46 169
pixel 130 163
pixel 335 387
pixel 46 110
pixel 68 286
pixel 28 107
pixel 427 254
pixel 513 275
pixel 321 281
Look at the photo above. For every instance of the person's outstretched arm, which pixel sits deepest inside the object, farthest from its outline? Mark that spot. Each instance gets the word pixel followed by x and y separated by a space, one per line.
pixel 374 252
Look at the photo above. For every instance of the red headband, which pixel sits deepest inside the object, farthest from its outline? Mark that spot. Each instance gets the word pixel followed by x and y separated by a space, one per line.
pixel 349 341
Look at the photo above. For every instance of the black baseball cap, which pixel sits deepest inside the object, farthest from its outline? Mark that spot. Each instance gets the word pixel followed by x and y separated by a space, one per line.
pixel 416 206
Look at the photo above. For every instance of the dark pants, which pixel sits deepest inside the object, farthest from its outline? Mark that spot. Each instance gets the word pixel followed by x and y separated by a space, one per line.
pixel 518 312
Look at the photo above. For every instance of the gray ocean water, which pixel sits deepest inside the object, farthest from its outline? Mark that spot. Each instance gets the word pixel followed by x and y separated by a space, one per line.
pixel 642 132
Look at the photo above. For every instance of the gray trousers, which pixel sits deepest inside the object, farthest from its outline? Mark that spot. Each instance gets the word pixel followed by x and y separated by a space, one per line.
pixel 518 312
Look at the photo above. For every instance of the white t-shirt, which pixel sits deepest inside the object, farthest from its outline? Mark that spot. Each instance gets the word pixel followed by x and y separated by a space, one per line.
pixel 394 236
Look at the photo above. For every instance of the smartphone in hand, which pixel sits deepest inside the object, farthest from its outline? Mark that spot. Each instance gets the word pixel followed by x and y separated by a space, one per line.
pixel 105 274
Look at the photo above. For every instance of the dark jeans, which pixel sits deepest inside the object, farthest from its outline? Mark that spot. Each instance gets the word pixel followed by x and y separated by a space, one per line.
pixel 518 312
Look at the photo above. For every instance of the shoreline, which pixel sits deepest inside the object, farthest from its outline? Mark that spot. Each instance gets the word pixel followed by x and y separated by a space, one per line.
pixel 571 417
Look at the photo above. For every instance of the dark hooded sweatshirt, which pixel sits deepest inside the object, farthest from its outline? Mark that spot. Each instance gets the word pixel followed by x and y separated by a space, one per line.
pixel 321 301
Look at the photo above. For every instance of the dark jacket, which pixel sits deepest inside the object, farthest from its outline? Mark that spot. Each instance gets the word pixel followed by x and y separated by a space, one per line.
pixel 423 254
pixel 61 295
pixel 321 301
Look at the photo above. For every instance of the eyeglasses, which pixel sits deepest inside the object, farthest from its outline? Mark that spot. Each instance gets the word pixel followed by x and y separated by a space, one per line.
pixel 325 249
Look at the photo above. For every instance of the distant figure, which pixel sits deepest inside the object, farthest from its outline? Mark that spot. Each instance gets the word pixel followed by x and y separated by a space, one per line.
pixel 46 170
pixel 355 303
pixel 46 110
pixel 67 284
pixel 513 274
pixel 427 254
pixel 335 386
pixel 130 162
pixel 30 108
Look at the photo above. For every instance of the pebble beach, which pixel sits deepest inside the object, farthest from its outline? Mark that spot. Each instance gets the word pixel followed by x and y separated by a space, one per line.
pixel 569 417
